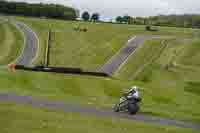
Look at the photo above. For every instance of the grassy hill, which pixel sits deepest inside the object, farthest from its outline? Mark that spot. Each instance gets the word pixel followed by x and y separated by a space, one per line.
pixel 143 55
pixel 190 54
pixel 172 72
pixel 80 49
pixel 169 79
pixel 176 60
pixel 11 42
pixel 90 49
pixel 93 48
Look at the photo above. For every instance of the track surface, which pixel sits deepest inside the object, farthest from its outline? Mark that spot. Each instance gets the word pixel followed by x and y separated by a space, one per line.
pixel 114 63
pixel 61 106
pixel 30 47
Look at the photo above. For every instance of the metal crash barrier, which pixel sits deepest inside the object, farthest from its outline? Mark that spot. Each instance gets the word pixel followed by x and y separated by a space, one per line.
pixel 62 70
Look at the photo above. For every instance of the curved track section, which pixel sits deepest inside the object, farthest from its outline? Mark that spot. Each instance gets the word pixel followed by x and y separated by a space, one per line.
pixel 30 47
pixel 8 97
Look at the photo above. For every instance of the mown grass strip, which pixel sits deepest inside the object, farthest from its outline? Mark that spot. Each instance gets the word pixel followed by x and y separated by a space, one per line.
pixel 11 43
pixel 46 121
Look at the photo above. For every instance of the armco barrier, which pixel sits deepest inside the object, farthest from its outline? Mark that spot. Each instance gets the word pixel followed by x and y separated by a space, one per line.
pixel 62 70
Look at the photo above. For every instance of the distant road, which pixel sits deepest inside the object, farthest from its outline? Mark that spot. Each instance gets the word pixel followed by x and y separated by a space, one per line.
pixel 30 45
pixel 114 63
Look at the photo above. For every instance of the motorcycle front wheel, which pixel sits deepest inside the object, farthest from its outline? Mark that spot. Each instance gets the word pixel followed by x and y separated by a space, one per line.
pixel 133 108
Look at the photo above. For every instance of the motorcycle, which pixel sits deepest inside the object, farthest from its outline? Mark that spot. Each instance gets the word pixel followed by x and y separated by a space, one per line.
pixel 126 104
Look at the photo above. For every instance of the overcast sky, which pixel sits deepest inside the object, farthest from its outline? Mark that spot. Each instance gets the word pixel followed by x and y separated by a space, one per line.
pixel 111 8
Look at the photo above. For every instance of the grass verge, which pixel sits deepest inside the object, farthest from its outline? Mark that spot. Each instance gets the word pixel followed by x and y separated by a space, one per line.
pixel 11 43
pixel 45 121
pixel 99 92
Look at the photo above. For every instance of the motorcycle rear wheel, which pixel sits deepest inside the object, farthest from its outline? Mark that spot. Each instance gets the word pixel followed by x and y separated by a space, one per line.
pixel 116 108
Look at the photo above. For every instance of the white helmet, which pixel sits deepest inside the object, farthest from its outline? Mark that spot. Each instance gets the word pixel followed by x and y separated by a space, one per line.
pixel 134 88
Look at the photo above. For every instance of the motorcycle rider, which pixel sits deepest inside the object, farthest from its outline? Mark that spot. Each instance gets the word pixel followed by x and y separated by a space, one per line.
pixel 129 101
pixel 133 93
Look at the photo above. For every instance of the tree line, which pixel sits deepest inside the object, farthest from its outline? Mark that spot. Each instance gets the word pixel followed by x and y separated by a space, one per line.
pixel 68 13
pixel 38 10
pixel 186 20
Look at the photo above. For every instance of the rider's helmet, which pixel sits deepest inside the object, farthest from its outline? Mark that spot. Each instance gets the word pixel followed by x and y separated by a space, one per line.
pixel 134 89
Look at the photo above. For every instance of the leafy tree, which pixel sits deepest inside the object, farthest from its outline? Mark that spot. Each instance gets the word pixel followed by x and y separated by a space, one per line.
pixel 126 19
pixel 119 19
pixel 85 16
pixel 95 17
